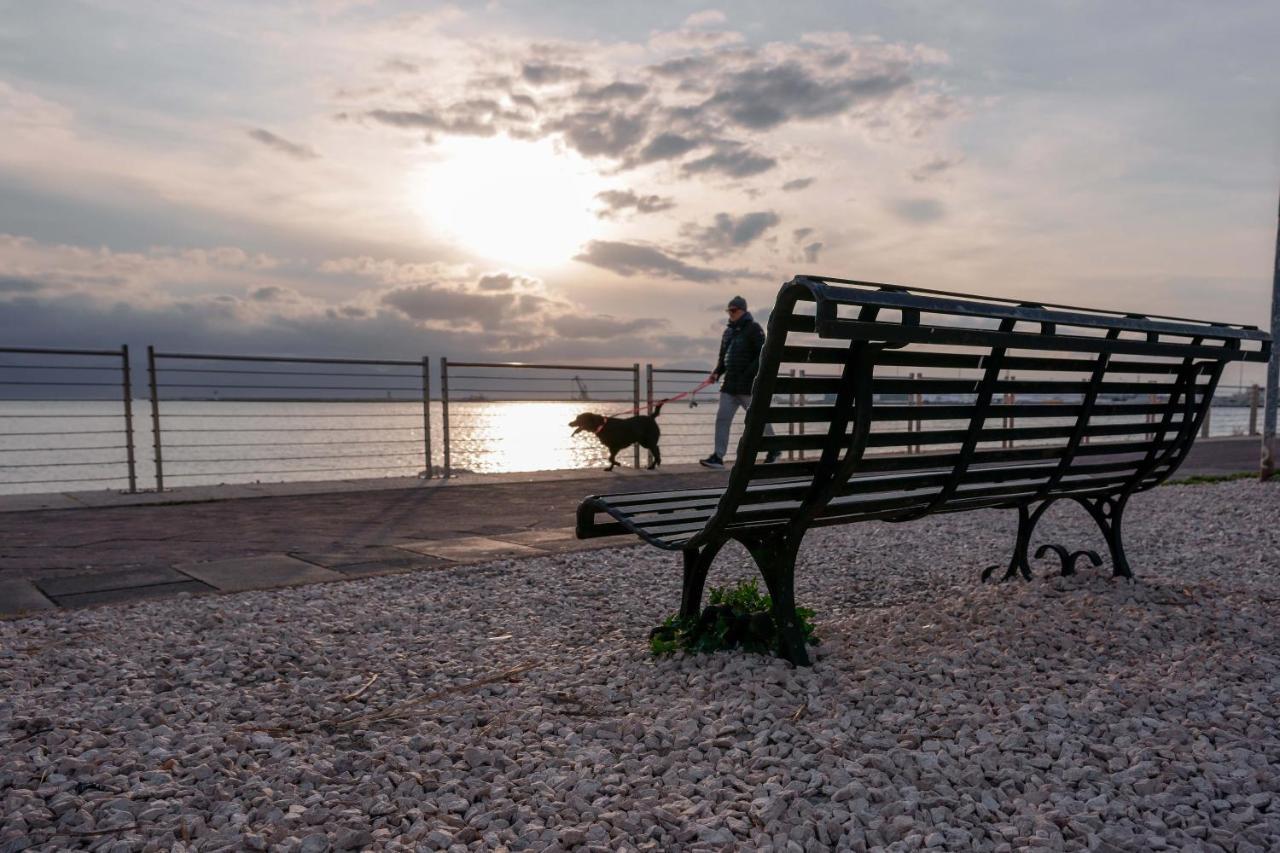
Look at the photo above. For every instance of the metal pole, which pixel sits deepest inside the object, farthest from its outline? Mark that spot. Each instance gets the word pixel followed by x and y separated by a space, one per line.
pixel 1208 412
pixel 128 418
pixel 444 415
pixel 791 424
pixel 648 382
pixel 155 416
pixel 1254 393
pixel 426 413
pixel 1269 445
pixel 635 395
pixel 804 400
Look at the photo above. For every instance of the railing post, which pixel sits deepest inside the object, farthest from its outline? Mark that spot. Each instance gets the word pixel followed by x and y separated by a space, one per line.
pixel 635 395
pixel 648 383
pixel 1255 391
pixel 444 414
pixel 155 416
pixel 128 418
pixel 426 413
pixel 1204 428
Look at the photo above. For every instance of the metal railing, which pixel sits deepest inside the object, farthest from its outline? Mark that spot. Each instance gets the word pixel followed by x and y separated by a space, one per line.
pixel 469 423
pixel 220 417
pixel 66 417
pixel 57 418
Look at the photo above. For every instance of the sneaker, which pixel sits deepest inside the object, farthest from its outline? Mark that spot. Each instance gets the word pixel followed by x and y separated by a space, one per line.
pixel 712 461
pixel 771 457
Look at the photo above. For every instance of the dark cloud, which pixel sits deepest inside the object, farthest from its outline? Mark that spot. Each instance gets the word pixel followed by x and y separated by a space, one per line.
pixel 617 91
pixel 920 210
pixel 272 293
pixel 729 233
pixel 596 133
pixel 617 201
pixel 736 162
pixel 435 302
pixel 17 284
pixel 811 252
pixel 601 326
pixel 763 97
pixel 665 146
pixel 800 233
pixel 498 282
pixel 934 167
pixel 796 185
pixel 546 73
pixel 284 146
pixel 628 259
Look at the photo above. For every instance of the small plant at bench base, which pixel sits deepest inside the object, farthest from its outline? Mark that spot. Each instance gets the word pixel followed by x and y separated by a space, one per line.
pixel 738 617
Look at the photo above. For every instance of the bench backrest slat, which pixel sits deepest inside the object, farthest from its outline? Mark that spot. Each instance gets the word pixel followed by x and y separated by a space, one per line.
pixel 1016 402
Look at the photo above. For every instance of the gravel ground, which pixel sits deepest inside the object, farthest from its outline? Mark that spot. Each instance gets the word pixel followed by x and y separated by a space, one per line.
pixel 515 704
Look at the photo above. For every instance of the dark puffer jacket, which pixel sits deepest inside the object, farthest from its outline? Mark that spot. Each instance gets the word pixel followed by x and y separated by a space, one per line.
pixel 740 355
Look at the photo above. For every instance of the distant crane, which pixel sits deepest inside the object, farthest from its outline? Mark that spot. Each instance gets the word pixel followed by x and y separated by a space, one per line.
pixel 580 392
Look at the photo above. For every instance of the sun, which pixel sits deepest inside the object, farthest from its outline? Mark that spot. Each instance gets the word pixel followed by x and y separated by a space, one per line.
pixel 509 201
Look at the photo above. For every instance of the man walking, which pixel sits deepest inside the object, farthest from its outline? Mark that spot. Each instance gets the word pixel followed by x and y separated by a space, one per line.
pixel 738 362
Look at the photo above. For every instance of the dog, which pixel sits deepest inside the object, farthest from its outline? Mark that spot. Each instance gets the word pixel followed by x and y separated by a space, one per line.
pixel 617 433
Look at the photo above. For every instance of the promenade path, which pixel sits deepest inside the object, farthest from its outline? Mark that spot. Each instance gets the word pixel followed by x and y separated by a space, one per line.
pixel 97 548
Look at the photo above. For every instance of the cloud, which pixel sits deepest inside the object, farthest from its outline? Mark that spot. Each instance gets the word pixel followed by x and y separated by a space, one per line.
pixel 729 233
pixel 616 91
pixel 628 259
pixel 918 210
pixel 17 284
pixel 275 293
pixel 811 252
pixel 601 326
pixel 546 74
pixel 502 282
pixel 709 18
pixel 731 161
pixel 934 167
pixel 797 185
pixel 763 97
pixel 617 201
pixel 284 146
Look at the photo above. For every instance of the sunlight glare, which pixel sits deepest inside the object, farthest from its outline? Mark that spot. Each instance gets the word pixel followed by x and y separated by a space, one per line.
pixel 510 201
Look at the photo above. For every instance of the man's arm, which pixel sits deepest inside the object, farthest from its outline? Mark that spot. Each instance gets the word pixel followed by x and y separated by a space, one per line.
pixel 718 371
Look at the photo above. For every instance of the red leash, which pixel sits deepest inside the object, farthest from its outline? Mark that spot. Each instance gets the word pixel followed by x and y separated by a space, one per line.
pixel 681 395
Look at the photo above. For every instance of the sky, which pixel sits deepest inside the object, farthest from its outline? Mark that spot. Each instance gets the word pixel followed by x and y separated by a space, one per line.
pixel 533 180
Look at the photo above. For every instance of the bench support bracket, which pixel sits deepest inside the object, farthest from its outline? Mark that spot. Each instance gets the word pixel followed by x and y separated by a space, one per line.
pixel 1020 563
pixel 1108 512
pixel 775 555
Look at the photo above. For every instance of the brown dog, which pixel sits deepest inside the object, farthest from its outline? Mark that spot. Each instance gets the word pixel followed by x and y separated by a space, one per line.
pixel 617 433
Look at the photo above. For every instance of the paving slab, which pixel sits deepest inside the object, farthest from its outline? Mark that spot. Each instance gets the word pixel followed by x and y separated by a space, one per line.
pixel 58 587
pixel 21 596
pixel 375 560
pixel 558 539
pixel 264 572
pixel 470 549
pixel 134 593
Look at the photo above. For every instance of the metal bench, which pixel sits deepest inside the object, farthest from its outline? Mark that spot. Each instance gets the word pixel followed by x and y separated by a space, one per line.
pixel 1024 405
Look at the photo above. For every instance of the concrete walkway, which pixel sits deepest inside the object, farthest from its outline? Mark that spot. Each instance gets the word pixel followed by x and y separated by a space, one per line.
pixel 83 549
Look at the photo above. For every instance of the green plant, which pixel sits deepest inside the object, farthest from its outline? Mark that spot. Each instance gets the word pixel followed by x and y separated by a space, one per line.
pixel 1199 479
pixel 738 617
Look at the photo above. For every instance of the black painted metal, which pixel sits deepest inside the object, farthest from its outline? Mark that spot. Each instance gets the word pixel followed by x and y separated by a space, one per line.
pixel 859 327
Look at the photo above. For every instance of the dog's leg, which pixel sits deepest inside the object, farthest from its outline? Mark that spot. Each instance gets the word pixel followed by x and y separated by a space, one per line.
pixel 657 456
pixel 612 461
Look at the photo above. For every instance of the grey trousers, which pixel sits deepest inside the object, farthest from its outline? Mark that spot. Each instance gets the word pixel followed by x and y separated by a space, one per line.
pixel 729 404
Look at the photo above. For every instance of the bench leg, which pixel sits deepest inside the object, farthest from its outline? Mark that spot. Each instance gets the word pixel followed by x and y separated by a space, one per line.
pixel 1019 564
pixel 696 565
pixel 776 558
pixel 1108 512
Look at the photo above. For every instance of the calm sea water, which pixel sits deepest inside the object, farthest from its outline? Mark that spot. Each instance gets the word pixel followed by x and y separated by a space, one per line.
pixel 80 445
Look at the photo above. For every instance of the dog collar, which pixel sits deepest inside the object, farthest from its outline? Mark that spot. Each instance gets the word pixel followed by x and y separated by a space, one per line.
pixel 602 423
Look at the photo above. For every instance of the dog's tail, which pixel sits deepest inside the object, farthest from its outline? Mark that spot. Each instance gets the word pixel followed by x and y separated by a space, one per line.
pixel 657 409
